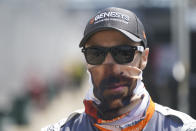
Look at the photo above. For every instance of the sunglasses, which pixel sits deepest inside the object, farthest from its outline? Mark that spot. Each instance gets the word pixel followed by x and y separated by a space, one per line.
pixel 122 54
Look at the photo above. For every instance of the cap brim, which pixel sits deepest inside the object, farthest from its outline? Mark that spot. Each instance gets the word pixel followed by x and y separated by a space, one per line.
pixel 126 33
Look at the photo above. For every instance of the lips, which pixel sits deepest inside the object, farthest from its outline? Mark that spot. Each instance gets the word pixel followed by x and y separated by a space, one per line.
pixel 116 85
pixel 117 89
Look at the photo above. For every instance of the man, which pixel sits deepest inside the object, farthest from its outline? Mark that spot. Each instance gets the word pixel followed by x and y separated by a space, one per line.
pixel 116 52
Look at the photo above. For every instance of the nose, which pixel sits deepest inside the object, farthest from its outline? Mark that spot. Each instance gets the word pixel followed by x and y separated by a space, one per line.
pixel 109 59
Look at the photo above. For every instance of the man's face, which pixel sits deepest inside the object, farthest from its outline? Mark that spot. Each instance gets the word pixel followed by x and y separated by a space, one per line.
pixel 111 83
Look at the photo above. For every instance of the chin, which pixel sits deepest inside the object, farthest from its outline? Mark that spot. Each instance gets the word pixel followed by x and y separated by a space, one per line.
pixel 114 101
pixel 115 104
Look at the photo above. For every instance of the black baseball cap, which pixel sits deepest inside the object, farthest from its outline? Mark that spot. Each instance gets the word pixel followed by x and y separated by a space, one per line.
pixel 118 19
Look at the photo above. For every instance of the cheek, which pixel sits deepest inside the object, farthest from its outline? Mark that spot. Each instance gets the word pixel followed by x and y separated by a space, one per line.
pixel 101 72
pixel 97 75
pixel 136 61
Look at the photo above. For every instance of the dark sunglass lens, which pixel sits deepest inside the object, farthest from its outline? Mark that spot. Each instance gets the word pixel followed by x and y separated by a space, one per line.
pixel 94 56
pixel 123 54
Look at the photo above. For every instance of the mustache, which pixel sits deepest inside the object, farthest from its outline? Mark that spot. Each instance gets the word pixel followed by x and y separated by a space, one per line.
pixel 115 80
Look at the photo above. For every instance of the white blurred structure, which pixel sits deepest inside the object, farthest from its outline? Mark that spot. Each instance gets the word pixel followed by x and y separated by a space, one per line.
pixel 35 37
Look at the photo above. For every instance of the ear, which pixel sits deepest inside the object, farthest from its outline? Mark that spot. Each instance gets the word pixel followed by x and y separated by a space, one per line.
pixel 144 58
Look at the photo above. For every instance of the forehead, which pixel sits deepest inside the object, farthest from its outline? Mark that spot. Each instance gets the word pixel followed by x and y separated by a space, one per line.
pixel 108 38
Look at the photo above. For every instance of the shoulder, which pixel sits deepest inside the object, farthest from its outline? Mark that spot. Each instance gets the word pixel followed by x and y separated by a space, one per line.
pixel 188 123
pixel 57 126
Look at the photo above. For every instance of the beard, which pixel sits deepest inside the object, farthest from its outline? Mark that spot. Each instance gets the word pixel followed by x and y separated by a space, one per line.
pixel 111 102
pixel 113 85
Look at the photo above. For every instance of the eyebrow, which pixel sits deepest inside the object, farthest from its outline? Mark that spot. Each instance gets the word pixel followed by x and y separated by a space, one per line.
pixel 135 43
pixel 128 42
pixel 87 44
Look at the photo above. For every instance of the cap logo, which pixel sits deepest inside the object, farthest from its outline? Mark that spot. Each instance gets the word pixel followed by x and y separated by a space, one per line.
pixel 92 20
pixel 111 15
pixel 144 35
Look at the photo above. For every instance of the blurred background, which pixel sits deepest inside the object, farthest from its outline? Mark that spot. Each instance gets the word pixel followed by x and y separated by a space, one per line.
pixel 42 70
